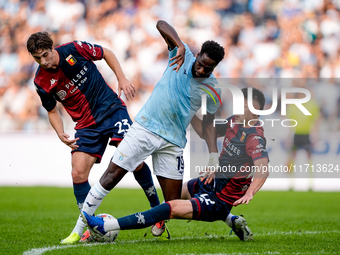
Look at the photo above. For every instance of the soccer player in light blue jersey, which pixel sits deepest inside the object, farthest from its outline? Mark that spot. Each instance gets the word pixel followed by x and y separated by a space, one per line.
pixel 160 126
pixel 208 198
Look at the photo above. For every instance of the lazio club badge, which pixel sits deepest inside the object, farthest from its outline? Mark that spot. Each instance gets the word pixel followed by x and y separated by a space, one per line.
pixel 71 60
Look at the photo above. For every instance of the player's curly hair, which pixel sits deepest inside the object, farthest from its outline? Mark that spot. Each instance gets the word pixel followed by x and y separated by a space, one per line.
pixel 39 41
pixel 213 50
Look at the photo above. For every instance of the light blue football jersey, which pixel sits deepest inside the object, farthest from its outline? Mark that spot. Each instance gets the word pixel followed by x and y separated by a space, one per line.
pixel 175 100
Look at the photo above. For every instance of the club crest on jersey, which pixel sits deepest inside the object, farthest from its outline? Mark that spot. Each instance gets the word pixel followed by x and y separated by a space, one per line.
pixel 71 60
pixel 243 136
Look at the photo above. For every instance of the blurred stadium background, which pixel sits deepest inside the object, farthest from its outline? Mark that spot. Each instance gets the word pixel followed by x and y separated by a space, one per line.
pixel 262 39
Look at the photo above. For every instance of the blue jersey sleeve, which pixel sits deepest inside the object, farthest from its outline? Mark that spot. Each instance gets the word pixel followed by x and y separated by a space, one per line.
pixel 48 101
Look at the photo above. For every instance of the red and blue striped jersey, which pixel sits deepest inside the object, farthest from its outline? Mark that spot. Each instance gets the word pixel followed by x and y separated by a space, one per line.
pixel 241 148
pixel 78 85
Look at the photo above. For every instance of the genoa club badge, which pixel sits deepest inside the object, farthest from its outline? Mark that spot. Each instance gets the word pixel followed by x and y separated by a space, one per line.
pixel 71 60
pixel 243 136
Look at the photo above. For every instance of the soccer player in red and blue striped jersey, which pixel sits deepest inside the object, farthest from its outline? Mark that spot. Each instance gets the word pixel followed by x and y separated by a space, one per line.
pixel 67 74
pixel 211 198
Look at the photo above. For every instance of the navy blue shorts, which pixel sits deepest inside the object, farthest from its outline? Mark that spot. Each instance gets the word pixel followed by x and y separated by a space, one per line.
pixel 206 205
pixel 93 140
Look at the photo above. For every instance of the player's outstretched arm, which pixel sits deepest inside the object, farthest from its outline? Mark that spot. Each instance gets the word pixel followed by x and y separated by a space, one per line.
pixel 57 124
pixel 172 39
pixel 260 178
pixel 123 83
pixel 207 131
pixel 196 123
pixel 210 137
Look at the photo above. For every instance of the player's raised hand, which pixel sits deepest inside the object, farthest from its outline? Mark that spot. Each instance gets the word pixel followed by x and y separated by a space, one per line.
pixel 127 87
pixel 243 200
pixel 179 58
pixel 69 142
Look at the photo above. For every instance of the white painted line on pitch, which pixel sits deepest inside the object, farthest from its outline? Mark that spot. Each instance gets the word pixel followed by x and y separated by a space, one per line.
pixel 39 251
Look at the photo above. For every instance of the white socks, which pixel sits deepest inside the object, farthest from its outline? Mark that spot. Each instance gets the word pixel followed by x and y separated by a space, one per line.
pixel 228 220
pixel 94 198
pixel 90 205
pixel 79 228
pixel 110 225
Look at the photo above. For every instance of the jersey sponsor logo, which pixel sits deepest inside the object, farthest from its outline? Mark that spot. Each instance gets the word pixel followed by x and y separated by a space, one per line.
pixel 185 72
pixel 230 148
pixel 79 80
pixel 80 43
pixel 61 94
pixel 53 81
pixel 243 137
pixel 259 146
pixel 257 137
pixel 71 60
pixel 213 90
pixel 140 218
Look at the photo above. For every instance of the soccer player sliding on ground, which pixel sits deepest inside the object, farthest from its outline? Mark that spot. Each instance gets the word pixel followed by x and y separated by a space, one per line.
pixel 212 197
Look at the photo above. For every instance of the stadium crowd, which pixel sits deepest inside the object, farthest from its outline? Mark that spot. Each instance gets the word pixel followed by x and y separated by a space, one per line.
pixel 262 39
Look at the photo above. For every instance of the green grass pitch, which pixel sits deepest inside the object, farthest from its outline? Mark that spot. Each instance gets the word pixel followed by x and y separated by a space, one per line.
pixel 34 220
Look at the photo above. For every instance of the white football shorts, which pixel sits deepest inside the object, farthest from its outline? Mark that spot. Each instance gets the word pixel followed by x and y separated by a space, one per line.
pixel 139 143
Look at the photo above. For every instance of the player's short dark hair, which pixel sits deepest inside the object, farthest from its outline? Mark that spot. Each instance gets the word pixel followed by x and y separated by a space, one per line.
pixel 213 50
pixel 257 95
pixel 39 41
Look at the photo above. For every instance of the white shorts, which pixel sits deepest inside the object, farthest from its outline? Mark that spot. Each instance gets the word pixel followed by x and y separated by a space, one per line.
pixel 139 143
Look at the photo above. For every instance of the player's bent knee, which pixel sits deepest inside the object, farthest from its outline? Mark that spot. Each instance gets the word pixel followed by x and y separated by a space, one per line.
pixel 174 210
pixel 112 176
pixel 139 167
pixel 181 209
pixel 79 176
pixel 185 192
